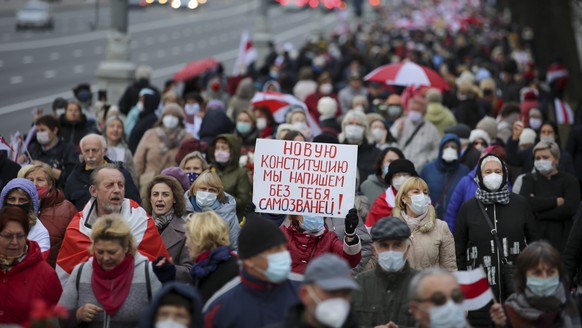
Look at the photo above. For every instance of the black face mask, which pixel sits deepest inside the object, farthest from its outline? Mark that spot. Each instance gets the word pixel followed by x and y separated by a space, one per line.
pixel 25 207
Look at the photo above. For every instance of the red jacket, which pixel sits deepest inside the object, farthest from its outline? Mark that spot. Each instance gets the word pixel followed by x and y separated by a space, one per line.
pixel 55 214
pixel 382 207
pixel 31 279
pixel 305 247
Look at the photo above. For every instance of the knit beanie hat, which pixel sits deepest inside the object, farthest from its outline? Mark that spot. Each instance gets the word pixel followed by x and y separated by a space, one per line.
pixel 527 136
pixel 327 106
pixel 173 109
pixel 479 134
pixel 400 166
pixel 177 173
pixel 25 185
pixel 257 235
pixel 463 131
pixel 489 125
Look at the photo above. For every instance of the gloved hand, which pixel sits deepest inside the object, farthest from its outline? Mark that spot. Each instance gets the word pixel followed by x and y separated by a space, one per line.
pixel 351 221
pixel 164 269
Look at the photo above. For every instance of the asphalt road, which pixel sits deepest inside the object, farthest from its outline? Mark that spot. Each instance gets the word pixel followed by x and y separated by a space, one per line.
pixel 38 66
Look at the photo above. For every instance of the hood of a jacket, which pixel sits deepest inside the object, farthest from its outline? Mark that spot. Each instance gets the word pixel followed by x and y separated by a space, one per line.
pixel 25 185
pixel 436 112
pixel 175 287
pixel 235 146
pixel 245 89
pixel 446 138
pixel 214 123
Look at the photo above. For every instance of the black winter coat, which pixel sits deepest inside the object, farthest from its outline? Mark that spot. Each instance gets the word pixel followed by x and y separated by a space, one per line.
pixel 552 221
pixel 467 112
pixel 224 273
pixel 73 131
pixel 63 156
pixel 77 186
pixel 475 245
pixel 8 169
pixel 574 148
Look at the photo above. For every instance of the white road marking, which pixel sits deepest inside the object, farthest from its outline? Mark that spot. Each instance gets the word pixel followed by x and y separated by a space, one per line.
pixel 78 69
pixel 50 74
pixel 27 59
pixel 54 56
pixel 16 79
pixel 77 53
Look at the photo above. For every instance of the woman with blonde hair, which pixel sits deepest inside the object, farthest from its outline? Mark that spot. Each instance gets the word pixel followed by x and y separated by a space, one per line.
pixel 114 286
pixel 55 212
pixel 431 240
pixel 207 240
pixel 193 164
pixel 207 194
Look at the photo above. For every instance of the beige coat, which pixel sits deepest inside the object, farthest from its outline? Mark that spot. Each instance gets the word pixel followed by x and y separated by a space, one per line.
pixel 432 245
pixel 149 158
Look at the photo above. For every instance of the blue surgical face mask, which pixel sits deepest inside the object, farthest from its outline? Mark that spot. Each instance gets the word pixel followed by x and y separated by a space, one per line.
pixel 449 314
pixel 279 266
pixel 205 199
pixel 391 261
pixel 243 127
pixel 385 169
pixel 312 224
pixel 543 286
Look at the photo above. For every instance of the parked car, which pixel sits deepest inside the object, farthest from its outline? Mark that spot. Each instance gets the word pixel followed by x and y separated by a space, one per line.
pixel 35 14
pixel 137 3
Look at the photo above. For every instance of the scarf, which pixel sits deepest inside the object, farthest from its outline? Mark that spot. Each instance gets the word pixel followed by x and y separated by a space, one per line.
pixel 112 287
pixel 424 223
pixel 532 307
pixel 8 262
pixel 169 139
pixel 207 262
pixel 163 220
pixel 490 197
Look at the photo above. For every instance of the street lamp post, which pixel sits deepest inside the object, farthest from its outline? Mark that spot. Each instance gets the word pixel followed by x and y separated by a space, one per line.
pixel 117 71
pixel 262 35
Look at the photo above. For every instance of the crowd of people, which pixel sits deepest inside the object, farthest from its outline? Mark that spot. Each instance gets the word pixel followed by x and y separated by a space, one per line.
pixel 141 213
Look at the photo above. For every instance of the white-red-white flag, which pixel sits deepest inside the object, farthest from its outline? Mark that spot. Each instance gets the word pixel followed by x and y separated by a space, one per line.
pixel 564 114
pixel 476 288
pixel 247 54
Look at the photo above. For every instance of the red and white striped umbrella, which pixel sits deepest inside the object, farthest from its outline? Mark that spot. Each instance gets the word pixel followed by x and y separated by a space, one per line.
pixel 279 103
pixel 406 74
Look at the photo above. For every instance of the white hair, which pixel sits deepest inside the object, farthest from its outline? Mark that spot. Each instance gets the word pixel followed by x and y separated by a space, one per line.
pixel 91 135
pixel 143 72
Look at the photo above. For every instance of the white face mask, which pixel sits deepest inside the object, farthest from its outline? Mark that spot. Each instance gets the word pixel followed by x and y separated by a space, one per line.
pixel 535 123
pixel 43 138
pixel 544 166
pixel 493 181
pixel 170 121
pixel 139 106
pixel 191 109
pixel 205 198
pixel 394 110
pixel 415 116
pixel 261 123
pixel 300 126
pixel 391 261
pixel 354 133
pixel 359 108
pixel 547 138
pixel 449 315
pixel 378 134
pixel 419 203
pixel 59 111
pixel 397 182
pixel 332 312
pixel 326 88
pixel 169 323
pixel 450 155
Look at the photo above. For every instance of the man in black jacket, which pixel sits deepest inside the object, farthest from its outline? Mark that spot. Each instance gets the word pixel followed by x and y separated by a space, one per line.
pixel 93 149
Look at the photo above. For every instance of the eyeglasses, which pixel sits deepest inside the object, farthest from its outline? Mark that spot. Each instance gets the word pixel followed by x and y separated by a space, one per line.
pixel 10 237
pixel 439 298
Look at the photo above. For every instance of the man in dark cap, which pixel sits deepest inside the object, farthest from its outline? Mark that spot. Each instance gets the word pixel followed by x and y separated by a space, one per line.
pixel 383 298
pixel 265 289
pixel 326 294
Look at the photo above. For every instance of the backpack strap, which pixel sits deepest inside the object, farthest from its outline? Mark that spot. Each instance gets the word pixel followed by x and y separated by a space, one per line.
pixel 78 279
